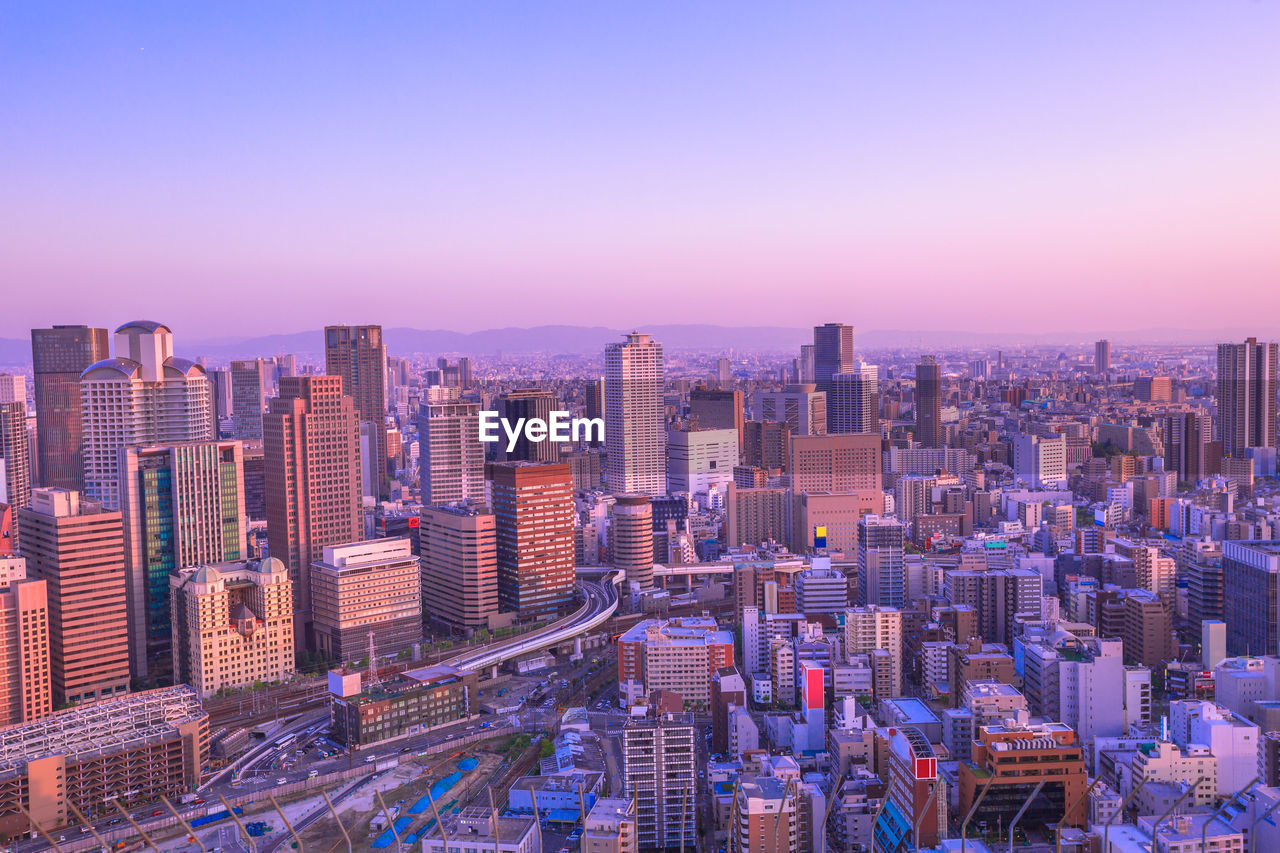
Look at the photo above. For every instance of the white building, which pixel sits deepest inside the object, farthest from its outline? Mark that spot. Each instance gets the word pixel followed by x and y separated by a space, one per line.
pixel 700 459
pixel 635 416
pixel 822 589
pixel 867 629
pixel 853 403
pixel 1233 740
pixel 1041 460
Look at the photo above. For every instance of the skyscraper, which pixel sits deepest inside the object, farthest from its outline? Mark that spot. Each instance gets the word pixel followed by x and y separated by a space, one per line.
pixel 803 408
pixel 635 416
pixel 1251 596
pixel 144 395
pixel 929 402
pixel 533 511
pixel 25 692
pixel 1102 356
pixel 1247 395
pixel 460 565
pixel 59 355
pixel 853 403
pixel 15 466
pixel 717 410
pixel 527 403
pixel 183 505
pixel 832 353
pixel 248 397
pixel 357 354
pixel 310 436
pixel 451 455
pixel 1187 440
pixel 78 550
pixel 881 556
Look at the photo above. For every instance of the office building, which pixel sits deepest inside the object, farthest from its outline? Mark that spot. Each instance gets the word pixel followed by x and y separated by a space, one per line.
pixel 311 463
pixel 459 566
pixel 77 548
pixel 766 445
pixel 1247 388
pixel 232 625
pixel 26 692
pixel 837 463
pixel 1102 356
pixel 13 388
pixel 249 385
pixel 717 409
pixel 699 460
pixel 1153 389
pixel 916 792
pixel 635 416
pixel 853 403
pixel 365 588
pixel 632 532
pixel 183 505
pixel 144 395
pixel 59 355
pixel 1251 595
pixel 659 766
pixel 15 461
pixel 881 561
pixel 873 628
pixel 1009 761
pixel 406 704
pixel 803 408
pixel 129 750
pixel 527 404
pixel 1041 460
pixel 832 353
pixel 451 460
pixel 928 403
pixel 533 511
pixel 357 354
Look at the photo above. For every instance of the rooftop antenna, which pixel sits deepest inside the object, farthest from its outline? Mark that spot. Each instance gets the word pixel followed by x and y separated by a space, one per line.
pixel 373 667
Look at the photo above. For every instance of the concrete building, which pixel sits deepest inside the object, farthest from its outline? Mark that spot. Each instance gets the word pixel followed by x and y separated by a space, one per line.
pixel 680 655
pixel 717 409
pixel 853 403
pixel 358 355
pixel 529 404
pixel 822 589
pixel 917 794
pixel 403 705
pixel 1251 596
pixel 15 460
pixel 78 550
pixel 635 416
pixel 232 625
pixel 832 353
pixel 881 561
pixel 1233 740
pixel 451 461
pixel 26 692
pixel 476 830
pixel 1102 356
pixel 311 460
pixel 659 764
pixel 182 505
pixel 249 385
pixel 1041 460
pixel 144 395
pixel 755 516
pixel 802 408
pixel 610 827
pixel 365 588
pixel 59 355
pixel 928 404
pixel 874 628
pixel 632 536
pixel 1247 390
pixel 767 819
pixel 157 740
pixel 700 459
pixel 459 545
pixel 533 511
pixel 1009 761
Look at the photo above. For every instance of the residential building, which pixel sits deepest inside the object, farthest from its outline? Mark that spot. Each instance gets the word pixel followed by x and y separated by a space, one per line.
pixel 928 403
pixel 635 416
pixel 1247 391
pixel 881 561
pixel 451 460
pixel 610 827
pixel 679 655
pixel 853 402
pixel 659 764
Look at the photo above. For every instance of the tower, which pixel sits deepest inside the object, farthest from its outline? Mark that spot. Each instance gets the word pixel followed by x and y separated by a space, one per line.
pixel 929 402
pixel 357 354
pixel 59 355
pixel 1247 395
pixel 853 403
pixel 635 416
pixel 533 509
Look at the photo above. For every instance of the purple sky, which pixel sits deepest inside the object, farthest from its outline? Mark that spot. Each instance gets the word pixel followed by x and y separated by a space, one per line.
pixel 272 167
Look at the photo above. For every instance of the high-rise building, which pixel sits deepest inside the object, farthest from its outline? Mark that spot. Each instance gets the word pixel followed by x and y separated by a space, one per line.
pixel 1187 440
pixel 916 791
pixel 1251 596
pixel 633 538
pixel 929 402
pixel 310 437
pixel 1153 389
pixel 1041 460
pixel 451 455
pixel 15 463
pixel 144 395
pixel 78 550
pixel 527 403
pixel 1102 356
pixel 533 508
pixel 183 505
pixel 832 353
pixel 836 463
pixel 881 561
pixel 767 816
pixel 802 408
pixel 871 628
pixel 59 355
pixel 678 655
pixel 1247 388
pixel 754 516
pixel 853 403
pixel 635 416
pixel 459 566
pixel 13 388
pixel 232 625
pixel 249 385
pixel 363 588
pixel 1048 755
pixel 25 688
pixel 711 409
pixel 699 460
pixel 222 401
pixel 357 354
pixel 658 767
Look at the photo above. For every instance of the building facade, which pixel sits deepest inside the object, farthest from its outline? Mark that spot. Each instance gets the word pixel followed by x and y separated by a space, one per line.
pixel 635 416
pixel 58 356
pixel 366 588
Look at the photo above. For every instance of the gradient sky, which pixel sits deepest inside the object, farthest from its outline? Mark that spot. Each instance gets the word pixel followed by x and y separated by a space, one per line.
pixel 244 168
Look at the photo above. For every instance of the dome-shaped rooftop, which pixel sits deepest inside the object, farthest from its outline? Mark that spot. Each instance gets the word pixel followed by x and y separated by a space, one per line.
pixel 182 367
pixel 271 565
pixel 206 575
pixel 111 368
pixel 146 326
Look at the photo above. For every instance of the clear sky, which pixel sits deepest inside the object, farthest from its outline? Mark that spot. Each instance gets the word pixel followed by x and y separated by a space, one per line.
pixel 242 168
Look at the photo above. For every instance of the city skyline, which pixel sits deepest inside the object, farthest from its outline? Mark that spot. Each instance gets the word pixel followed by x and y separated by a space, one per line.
pixel 666 155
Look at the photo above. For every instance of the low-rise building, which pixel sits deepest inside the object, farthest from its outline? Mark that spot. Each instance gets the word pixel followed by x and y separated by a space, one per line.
pixel 405 704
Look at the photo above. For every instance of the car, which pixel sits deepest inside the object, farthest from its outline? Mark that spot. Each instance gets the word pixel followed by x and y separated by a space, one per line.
pixel 113 821
pixel 313 774
pixel 157 812
pixel 371 759
pixel 197 802
pixel 282 781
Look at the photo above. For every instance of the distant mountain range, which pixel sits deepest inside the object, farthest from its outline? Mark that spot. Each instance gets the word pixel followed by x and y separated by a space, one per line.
pixel 577 340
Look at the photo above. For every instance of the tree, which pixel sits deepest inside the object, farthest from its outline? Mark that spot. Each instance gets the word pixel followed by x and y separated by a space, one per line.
pixel 547 749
